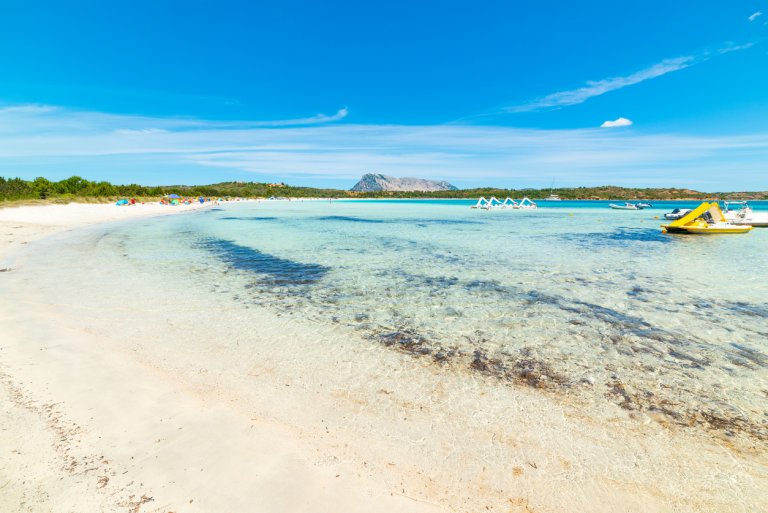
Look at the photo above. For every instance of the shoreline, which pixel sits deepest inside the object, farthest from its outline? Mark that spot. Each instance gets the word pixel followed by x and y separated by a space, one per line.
pixel 24 224
pixel 18 204
pixel 51 409
pixel 264 425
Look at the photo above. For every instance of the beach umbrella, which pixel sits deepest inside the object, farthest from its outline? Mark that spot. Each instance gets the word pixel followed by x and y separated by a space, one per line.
pixel 175 196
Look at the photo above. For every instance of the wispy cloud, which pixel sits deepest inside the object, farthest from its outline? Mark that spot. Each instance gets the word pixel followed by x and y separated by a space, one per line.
pixel 313 120
pixel 732 47
pixel 57 142
pixel 616 123
pixel 50 118
pixel 140 131
pixel 599 87
pixel 755 15
pixel 27 108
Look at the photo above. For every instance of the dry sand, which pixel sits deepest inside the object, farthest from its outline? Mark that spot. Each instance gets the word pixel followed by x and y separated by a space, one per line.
pixel 94 421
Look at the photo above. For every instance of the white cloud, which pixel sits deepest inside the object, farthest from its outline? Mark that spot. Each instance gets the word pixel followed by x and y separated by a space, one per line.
pixel 60 141
pixel 731 47
pixel 28 108
pixel 600 87
pixel 140 131
pixel 319 118
pixel 755 15
pixel 616 123
pixel 50 117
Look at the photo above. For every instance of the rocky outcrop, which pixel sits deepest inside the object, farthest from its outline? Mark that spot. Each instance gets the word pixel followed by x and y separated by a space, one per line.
pixel 373 182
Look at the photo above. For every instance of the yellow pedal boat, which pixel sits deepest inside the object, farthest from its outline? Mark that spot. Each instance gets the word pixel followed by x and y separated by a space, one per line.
pixel 707 219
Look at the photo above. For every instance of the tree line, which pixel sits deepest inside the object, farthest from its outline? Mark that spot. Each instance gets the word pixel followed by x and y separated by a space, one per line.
pixel 75 187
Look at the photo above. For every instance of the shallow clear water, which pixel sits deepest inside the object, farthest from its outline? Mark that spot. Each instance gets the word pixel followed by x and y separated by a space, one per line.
pixel 572 297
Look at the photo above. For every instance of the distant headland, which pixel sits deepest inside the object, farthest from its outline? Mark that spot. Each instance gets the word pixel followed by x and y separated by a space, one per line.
pixel 373 182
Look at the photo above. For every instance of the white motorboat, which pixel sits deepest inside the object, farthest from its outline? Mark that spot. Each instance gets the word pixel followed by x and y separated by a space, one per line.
pixel 644 205
pixel 676 214
pixel 740 213
pixel 625 206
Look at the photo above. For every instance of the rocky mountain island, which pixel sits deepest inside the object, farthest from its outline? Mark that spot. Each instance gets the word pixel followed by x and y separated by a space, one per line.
pixel 374 182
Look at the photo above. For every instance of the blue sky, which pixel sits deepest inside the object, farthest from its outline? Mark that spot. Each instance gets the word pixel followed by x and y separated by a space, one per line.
pixel 500 93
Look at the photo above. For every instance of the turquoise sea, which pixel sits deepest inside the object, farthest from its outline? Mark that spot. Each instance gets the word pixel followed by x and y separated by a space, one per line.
pixel 571 298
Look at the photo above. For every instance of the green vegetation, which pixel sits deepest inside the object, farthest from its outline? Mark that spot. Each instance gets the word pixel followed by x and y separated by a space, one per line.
pixel 76 188
pixel 576 193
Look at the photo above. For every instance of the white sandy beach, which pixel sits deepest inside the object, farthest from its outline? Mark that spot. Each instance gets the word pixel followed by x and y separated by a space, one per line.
pixel 95 420
pixel 21 225
pixel 94 430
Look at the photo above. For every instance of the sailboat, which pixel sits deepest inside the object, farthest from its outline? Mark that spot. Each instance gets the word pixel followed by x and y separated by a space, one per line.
pixel 553 196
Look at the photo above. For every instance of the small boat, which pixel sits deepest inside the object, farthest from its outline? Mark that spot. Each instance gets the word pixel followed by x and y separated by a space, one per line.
pixel 707 219
pixel 740 213
pixel 625 206
pixel 552 195
pixel 644 205
pixel 676 214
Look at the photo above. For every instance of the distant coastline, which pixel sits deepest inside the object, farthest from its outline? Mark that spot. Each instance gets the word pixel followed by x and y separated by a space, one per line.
pixel 77 189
